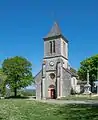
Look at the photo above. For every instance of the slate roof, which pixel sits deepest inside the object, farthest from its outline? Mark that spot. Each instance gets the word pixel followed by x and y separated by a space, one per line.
pixel 71 71
pixel 37 76
pixel 55 31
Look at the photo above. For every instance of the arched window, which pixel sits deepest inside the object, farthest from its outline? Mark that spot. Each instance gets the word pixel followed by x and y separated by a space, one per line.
pixel 54 46
pixel 50 47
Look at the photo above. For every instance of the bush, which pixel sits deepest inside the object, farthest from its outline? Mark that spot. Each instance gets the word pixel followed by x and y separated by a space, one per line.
pixel 73 92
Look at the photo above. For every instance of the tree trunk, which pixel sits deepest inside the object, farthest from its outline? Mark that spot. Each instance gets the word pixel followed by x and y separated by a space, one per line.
pixel 15 92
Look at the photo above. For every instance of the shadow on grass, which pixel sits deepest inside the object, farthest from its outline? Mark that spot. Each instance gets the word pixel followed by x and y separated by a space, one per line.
pixel 17 97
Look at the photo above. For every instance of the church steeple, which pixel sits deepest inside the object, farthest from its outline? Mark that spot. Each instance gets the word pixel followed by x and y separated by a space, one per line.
pixel 55 44
pixel 55 31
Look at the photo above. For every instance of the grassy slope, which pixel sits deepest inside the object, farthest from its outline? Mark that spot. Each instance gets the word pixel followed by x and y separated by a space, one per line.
pixel 32 110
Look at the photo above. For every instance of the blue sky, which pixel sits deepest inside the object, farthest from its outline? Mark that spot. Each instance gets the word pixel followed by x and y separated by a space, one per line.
pixel 24 23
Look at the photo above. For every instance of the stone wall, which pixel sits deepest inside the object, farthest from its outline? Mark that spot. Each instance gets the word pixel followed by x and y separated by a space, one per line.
pixel 66 83
pixel 38 79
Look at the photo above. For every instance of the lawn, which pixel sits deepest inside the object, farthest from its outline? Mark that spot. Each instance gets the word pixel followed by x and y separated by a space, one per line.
pixel 13 109
pixel 80 97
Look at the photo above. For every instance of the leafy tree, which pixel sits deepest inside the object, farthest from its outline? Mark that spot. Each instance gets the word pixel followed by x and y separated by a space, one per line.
pixel 2 83
pixel 90 64
pixel 18 72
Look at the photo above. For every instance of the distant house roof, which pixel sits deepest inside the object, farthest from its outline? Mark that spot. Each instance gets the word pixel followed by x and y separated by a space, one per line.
pixel 55 32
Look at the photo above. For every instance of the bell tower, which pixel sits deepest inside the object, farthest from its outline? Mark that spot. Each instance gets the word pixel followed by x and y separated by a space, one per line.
pixel 55 59
pixel 56 45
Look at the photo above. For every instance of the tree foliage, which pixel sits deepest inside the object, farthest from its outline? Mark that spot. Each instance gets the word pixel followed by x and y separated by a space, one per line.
pixel 90 64
pixel 2 82
pixel 18 72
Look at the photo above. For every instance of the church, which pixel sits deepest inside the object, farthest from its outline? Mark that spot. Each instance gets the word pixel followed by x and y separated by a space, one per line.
pixel 56 78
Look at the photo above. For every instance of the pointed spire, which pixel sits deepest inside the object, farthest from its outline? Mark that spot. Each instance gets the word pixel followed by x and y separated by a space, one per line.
pixel 55 31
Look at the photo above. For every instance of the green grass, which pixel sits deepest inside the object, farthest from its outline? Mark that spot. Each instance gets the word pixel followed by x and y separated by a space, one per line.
pixel 31 110
pixel 80 97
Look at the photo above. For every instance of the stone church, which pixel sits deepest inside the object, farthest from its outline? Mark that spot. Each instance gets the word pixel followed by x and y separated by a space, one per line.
pixel 56 78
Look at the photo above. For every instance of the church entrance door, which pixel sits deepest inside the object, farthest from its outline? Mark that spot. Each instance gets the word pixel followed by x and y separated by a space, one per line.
pixel 52 93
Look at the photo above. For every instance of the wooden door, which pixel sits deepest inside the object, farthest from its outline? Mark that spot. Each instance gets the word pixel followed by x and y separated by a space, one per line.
pixel 52 93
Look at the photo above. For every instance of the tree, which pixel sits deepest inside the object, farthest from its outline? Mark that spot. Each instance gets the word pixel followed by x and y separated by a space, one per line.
pixel 90 64
pixel 2 82
pixel 18 72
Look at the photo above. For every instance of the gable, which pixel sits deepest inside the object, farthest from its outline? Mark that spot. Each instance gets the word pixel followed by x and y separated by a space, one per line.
pixel 38 77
